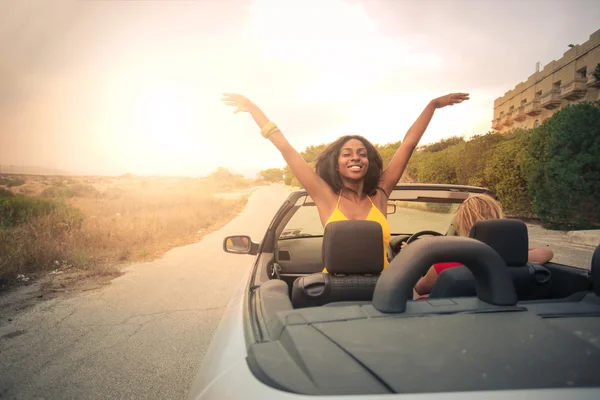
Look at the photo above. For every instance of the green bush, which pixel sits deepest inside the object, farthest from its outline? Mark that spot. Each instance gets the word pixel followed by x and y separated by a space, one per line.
pixel 442 144
pixel 470 169
pixel 6 193
pixel 436 167
pixel 562 168
pixel 34 233
pixel 287 175
pixel 19 210
pixel 12 182
pixel 387 151
pixel 503 174
pixel 223 179
pixel 272 175
pixel 85 190
pixel 57 192
pixel 61 191
pixel 596 72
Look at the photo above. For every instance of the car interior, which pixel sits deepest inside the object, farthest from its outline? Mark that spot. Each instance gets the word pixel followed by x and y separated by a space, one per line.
pixel 498 321
pixel 298 248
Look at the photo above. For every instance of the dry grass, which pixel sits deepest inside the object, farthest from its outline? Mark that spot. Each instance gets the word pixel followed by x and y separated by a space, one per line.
pixel 124 221
pixel 137 226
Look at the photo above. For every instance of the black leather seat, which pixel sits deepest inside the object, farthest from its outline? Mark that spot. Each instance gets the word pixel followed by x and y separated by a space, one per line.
pixel 510 239
pixel 353 255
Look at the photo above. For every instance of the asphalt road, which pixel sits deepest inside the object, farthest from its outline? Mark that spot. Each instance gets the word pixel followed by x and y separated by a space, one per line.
pixel 565 252
pixel 141 337
pixel 144 335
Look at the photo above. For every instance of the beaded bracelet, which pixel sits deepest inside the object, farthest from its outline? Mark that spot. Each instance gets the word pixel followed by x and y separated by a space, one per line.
pixel 269 129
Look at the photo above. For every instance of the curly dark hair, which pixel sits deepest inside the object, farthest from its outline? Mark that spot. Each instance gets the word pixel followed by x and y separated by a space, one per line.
pixel 326 166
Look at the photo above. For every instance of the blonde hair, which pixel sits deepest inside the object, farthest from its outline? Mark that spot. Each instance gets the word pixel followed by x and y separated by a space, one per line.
pixel 479 207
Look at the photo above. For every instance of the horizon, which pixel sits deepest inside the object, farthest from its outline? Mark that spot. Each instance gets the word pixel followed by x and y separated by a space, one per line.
pixel 102 88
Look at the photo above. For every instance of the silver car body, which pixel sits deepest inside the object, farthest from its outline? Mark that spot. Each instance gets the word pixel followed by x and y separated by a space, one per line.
pixel 225 374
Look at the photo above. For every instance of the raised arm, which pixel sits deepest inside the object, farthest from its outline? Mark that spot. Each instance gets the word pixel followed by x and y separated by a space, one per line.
pixel 316 187
pixel 392 174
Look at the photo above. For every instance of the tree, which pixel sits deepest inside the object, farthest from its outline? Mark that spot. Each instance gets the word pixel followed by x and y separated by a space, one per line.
pixel 562 167
pixel 310 155
pixel 272 175
pixel 387 151
pixel 504 176
pixel 288 176
pixel 222 178
pixel 470 169
pixel 442 144
pixel 221 173
pixel 436 167
pixel 596 72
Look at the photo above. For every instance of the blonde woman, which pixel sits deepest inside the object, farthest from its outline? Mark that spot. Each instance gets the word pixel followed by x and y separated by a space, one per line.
pixel 479 207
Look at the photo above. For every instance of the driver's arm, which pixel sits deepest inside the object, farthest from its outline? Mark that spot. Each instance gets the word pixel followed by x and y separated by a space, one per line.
pixel 540 256
pixel 425 284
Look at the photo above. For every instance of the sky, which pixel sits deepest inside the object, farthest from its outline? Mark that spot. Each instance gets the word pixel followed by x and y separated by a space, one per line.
pixel 108 87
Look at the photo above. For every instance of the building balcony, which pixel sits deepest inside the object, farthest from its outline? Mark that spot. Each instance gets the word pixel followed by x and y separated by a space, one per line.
pixel 574 89
pixel 497 124
pixel 519 114
pixel 592 82
pixel 533 108
pixel 507 120
pixel 550 100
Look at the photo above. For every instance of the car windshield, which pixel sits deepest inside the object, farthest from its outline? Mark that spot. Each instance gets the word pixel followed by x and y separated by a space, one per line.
pixel 405 215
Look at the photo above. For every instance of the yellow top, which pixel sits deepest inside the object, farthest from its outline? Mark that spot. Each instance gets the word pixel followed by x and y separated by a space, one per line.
pixel 374 215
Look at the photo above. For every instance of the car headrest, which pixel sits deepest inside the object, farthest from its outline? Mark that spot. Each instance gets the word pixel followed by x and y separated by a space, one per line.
pixel 353 247
pixel 507 236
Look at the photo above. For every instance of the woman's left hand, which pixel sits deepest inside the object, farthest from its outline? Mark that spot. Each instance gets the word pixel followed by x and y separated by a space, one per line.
pixel 450 99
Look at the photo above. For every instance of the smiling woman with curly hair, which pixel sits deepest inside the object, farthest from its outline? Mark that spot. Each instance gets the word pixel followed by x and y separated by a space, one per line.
pixel 349 182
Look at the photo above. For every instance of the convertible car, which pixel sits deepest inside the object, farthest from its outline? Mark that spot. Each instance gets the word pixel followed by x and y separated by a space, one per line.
pixel 495 327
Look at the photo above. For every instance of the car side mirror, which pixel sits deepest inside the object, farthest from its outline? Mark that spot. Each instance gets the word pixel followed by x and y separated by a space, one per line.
pixel 239 244
pixel 391 209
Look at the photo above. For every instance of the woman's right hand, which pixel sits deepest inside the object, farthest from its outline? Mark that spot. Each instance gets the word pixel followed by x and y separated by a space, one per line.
pixel 241 103
pixel 316 187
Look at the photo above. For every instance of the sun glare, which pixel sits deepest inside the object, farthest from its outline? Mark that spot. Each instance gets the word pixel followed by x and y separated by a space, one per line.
pixel 337 43
pixel 158 127
pixel 162 110
pixel 160 116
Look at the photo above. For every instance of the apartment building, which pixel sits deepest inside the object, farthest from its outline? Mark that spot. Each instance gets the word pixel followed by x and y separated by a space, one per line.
pixel 565 81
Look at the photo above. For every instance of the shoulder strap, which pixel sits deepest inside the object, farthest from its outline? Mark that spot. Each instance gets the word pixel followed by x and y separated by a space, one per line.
pixel 338 202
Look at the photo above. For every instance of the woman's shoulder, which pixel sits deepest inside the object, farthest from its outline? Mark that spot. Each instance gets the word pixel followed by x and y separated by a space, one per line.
pixel 380 198
pixel 326 201
pixel 379 190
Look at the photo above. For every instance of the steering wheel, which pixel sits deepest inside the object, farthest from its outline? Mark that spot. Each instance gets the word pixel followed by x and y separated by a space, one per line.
pixel 417 235
pixel 395 246
pixel 396 242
